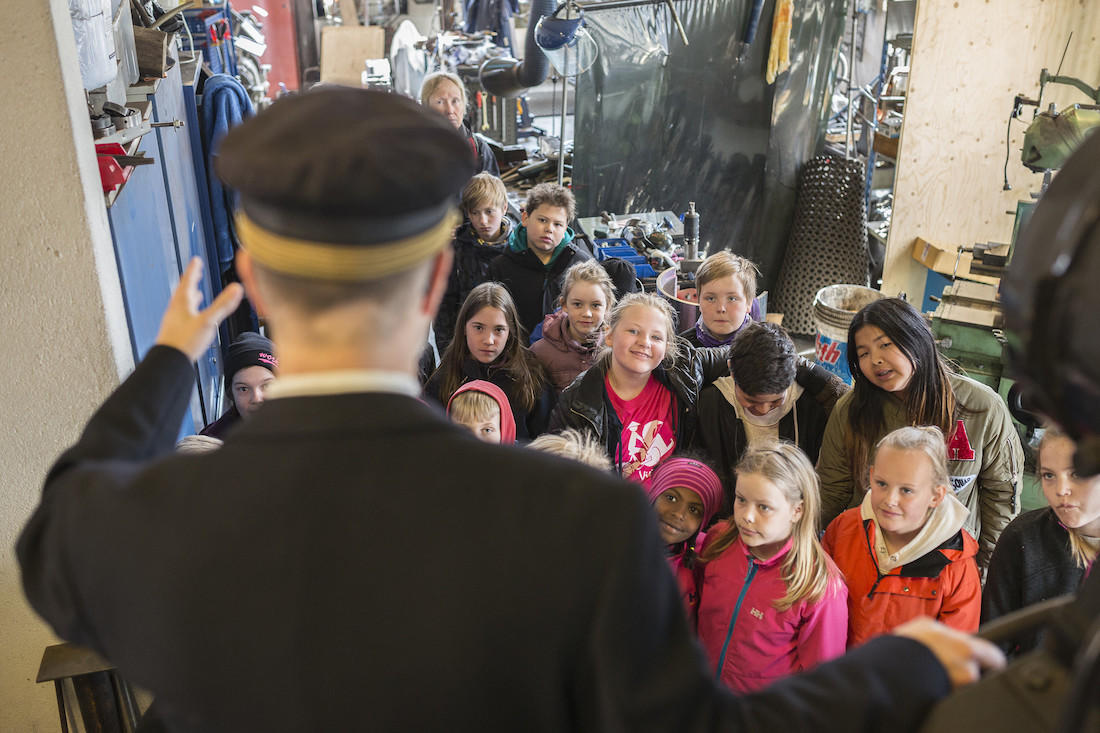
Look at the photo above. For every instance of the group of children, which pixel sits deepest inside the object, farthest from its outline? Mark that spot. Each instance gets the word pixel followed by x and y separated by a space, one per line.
pixel 782 563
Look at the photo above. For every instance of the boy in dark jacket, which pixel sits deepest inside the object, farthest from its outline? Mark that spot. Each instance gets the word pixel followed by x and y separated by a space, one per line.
pixel 771 393
pixel 539 253
pixel 483 236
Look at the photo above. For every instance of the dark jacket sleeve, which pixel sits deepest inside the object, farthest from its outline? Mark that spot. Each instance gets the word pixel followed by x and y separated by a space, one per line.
pixel 487 160
pixel 444 325
pixel 713 363
pixel 649 674
pixel 139 421
pixel 1003 591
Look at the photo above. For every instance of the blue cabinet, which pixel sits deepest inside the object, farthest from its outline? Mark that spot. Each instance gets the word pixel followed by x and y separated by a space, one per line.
pixel 158 226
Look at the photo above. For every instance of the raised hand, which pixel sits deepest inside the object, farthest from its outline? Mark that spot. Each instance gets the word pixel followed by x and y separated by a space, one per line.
pixel 187 328
pixel 962 655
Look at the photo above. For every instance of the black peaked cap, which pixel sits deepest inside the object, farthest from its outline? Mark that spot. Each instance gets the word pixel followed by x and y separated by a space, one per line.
pixel 345 165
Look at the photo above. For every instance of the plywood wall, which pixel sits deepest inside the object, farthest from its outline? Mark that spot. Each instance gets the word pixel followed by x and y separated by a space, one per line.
pixel 970 59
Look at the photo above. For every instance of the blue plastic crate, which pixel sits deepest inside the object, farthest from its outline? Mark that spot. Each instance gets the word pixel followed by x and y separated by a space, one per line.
pixel 621 248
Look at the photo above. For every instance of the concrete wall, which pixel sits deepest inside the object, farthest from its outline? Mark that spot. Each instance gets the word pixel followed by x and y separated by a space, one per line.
pixel 970 59
pixel 64 337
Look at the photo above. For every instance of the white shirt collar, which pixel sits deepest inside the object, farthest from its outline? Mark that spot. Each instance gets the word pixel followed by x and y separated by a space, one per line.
pixel 342 381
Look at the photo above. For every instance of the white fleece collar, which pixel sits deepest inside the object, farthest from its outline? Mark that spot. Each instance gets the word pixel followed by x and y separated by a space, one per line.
pixel 945 520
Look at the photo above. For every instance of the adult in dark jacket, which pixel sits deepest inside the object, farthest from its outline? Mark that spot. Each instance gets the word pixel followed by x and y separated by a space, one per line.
pixel 288 553
pixel 770 392
pixel 444 93
pixel 539 252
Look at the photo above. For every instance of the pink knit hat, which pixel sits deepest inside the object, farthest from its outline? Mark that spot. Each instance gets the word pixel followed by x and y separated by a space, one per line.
pixel 688 473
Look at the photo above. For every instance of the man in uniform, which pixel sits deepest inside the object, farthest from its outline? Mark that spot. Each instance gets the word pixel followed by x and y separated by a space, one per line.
pixel 354 561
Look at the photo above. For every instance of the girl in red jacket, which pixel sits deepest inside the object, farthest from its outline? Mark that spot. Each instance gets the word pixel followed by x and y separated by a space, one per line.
pixel 771 602
pixel 685 493
pixel 903 551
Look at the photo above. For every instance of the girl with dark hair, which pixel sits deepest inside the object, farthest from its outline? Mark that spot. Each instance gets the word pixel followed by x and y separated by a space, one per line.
pixel 488 345
pixel 901 380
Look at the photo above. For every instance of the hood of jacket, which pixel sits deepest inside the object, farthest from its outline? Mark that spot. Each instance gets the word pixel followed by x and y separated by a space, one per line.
pixel 507 421
pixel 517 242
pixel 947 518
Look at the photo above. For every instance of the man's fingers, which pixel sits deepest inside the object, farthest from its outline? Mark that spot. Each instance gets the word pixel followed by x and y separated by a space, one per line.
pixel 987 654
pixel 226 302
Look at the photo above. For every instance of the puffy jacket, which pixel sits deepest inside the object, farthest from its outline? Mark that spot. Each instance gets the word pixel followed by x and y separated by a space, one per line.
pixel 1032 563
pixel 470 269
pixel 750 644
pixel 584 404
pixel 943 583
pixel 535 287
pixel 563 356
pixel 984 455
pixel 722 435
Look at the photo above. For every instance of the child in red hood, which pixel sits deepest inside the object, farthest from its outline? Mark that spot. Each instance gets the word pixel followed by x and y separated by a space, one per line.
pixel 685 494
pixel 483 408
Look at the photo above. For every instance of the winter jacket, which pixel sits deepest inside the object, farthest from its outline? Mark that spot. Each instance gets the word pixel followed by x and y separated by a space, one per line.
pixel 584 404
pixel 936 577
pixel 529 423
pixel 535 287
pixel 221 427
pixel 685 576
pixel 563 356
pixel 470 269
pixel 484 159
pixel 750 644
pixel 722 435
pixel 1031 563
pixel 984 454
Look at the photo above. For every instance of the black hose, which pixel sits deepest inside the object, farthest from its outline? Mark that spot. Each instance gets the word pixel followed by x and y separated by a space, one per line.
pixel 507 77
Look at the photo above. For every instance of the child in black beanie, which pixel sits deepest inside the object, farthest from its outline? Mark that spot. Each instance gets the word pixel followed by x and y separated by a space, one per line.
pixel 250 365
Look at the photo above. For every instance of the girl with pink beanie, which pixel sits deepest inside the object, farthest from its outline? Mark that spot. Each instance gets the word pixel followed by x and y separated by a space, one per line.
pixel 685 494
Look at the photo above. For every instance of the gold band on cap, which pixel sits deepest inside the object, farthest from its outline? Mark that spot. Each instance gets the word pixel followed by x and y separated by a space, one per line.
pixel 307 258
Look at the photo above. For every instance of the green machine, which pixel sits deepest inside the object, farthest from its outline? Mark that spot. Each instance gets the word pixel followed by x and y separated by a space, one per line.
pixel 967 322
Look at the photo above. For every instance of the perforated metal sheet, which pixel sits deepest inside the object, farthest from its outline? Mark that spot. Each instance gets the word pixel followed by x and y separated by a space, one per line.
pixel 828 243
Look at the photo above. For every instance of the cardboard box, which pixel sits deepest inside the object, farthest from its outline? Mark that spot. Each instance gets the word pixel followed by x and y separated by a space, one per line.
pixel 941 260
pixel 345 50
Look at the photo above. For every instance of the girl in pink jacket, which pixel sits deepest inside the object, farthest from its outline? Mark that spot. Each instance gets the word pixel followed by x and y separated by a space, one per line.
pixel 685 494
pixel 771 602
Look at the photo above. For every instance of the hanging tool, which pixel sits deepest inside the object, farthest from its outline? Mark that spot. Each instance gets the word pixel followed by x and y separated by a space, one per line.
pixel 779 56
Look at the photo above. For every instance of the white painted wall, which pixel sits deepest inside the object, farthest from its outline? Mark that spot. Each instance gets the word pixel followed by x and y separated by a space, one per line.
pixel 63 334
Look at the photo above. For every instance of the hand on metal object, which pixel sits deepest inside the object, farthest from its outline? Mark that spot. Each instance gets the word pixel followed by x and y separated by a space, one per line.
pixel 963 656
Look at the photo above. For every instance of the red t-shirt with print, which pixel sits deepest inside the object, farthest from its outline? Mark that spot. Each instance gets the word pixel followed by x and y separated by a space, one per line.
pixel 649 434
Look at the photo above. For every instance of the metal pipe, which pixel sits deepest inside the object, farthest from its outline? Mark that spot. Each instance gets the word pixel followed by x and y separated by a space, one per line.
pixel 620 4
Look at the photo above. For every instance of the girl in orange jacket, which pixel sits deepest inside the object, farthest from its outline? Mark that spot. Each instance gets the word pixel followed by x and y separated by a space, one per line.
pixel 903 551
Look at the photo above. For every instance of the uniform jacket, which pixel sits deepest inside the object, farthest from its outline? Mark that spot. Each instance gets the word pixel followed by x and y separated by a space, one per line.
pixel 749 643
pixel 470 269
pixel 529 423
pixel 1031 563
pixel 584 404
pixel 535 287
pixel 288 551
pixel 722 435
pixel 563 356
pixel 942 583
pixel 985 459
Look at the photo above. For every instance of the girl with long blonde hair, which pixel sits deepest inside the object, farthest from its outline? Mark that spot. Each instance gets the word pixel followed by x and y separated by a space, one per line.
pixel 771 602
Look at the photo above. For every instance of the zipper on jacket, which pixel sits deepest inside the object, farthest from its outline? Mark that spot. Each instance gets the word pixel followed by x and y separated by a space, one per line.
pixel 874 561
pixel 733 618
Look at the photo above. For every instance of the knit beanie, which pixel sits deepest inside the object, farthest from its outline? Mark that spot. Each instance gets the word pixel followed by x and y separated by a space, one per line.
pixel 688 473
pixel 249 349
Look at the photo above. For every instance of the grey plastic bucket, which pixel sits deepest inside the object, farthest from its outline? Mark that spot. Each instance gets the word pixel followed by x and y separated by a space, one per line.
pixel 833 310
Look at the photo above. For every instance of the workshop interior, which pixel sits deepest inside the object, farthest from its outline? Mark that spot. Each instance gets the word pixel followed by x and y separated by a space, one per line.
pixel 851 149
